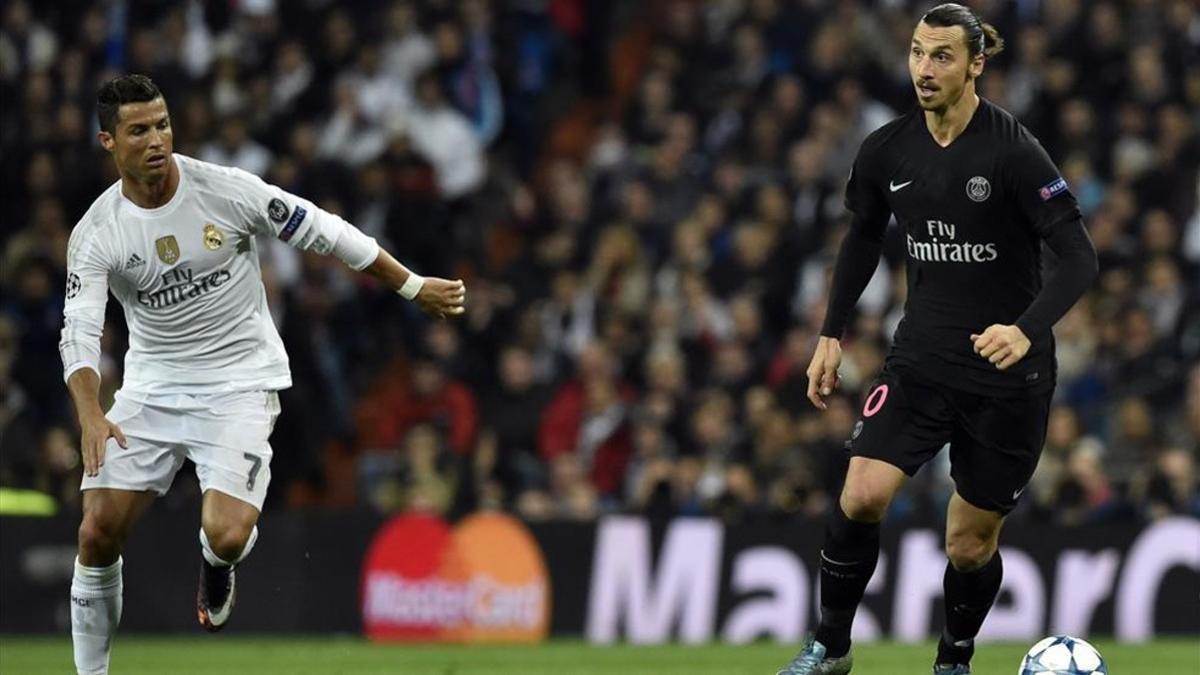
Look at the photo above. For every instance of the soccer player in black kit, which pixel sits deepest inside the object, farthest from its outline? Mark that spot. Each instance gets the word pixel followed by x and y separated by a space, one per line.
pixel 972 362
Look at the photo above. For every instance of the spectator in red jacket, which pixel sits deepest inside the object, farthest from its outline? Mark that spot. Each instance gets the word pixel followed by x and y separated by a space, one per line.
pixel 589 416
pixel 433 398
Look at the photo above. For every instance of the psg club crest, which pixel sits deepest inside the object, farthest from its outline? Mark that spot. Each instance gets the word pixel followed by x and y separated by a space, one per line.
pixel 978 189
pixel 167 248
pixel 212 237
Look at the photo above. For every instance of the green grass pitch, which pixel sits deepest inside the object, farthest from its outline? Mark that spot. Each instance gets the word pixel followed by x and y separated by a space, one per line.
pixel 236 655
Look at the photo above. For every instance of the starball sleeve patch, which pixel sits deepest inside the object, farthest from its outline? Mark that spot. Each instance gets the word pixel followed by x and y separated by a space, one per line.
pixel 277 210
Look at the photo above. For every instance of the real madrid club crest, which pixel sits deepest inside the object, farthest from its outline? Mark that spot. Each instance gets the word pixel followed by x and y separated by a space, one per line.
pixel 978 189
pixel 212 237
pixel 167 249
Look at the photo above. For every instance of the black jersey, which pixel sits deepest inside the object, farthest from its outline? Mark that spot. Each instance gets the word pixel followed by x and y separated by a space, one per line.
pixel 973 216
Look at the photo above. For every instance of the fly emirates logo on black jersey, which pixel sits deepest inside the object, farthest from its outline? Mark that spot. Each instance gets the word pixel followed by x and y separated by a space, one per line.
pixel 940 245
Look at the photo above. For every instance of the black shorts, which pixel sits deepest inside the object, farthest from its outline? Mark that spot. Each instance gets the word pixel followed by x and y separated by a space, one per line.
pixel 994 442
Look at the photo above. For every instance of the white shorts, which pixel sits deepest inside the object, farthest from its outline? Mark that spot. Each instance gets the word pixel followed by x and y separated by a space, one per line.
pixel 225 436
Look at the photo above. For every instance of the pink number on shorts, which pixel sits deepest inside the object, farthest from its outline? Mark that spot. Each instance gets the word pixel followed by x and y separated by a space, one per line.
pixel 875 400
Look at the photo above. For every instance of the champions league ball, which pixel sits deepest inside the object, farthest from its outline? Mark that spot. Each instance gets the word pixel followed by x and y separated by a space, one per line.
pixel 1063 655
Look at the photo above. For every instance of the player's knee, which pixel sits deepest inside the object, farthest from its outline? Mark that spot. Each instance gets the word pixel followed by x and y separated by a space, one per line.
pixel 969 552
pixel 228 533
pixel 864 503
pixel 99 538
pixel 228 541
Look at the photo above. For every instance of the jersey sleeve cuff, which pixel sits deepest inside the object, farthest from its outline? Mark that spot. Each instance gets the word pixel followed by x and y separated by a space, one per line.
pixel 1031 329
pixel 79 365
pixel 355 249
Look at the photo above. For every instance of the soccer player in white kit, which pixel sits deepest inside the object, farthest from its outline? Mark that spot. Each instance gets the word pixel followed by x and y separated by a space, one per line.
pixel 174 241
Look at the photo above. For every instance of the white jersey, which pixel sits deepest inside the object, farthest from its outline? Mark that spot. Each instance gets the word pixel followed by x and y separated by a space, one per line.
pixel 187 276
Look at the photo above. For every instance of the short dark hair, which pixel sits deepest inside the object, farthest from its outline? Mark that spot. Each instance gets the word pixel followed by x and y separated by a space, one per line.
pixel 982 38
pixel 131 88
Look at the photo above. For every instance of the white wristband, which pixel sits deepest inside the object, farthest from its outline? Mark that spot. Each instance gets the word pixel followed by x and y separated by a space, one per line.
pixel 411 286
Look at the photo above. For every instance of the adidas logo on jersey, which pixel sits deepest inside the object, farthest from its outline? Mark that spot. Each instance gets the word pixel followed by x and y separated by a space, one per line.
pixel 135 260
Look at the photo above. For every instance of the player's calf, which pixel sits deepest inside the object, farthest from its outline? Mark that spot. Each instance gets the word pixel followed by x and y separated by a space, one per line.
pixel 848 560
pixel 97 583
pixel 96 598
pixel 969 597
pixel 851 549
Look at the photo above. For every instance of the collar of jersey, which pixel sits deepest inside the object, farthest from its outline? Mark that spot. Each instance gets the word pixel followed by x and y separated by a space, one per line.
pixel 165 209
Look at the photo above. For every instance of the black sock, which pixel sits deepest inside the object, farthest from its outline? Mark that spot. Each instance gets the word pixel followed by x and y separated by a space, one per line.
pixel 847 563
pixel 969 598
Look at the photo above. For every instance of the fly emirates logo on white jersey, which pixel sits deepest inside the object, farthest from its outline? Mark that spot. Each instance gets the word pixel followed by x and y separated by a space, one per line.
pixel 181 285
pixel 940 246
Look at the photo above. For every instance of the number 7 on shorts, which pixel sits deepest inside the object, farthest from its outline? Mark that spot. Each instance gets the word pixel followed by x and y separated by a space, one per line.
pixel 255 465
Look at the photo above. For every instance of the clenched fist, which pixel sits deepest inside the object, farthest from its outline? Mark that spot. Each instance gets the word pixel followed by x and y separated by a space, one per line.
pixel 441 297
pixel 1001 345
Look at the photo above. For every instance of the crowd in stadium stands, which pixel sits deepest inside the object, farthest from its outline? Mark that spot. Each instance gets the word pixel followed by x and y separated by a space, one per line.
pixel 644 199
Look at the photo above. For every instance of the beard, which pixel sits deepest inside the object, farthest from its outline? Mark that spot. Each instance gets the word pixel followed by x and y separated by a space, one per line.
pixel 944 97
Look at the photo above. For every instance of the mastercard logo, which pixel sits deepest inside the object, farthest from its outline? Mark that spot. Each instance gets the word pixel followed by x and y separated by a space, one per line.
pixel 484 580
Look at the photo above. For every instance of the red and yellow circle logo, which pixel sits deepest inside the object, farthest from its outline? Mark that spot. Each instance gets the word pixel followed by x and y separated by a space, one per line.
pixel 484 580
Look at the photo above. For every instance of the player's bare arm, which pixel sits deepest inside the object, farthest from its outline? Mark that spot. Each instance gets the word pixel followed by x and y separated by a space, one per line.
pixel 435 296
pixel 84 385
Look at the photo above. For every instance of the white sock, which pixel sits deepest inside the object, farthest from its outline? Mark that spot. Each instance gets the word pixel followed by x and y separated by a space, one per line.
pixel 95 613
pixel 215 560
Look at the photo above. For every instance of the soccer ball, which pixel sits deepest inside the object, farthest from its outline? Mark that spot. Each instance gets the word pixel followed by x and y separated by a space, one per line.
pixel 1063 655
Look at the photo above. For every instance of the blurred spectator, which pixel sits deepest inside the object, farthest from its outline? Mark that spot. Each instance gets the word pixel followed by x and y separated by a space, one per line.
pixel 19 422
pixel 511 413
pixel 1170 488
pixel 464 54
pixel 421 476
pixel 1145 362
pixel 441 134
pixel 350 135
pixel 35 309
pixel 1084 493
pixel 26 44
pixel 570 495
pixel 649 480
pixel 619 275
pixel 406 50
pixel 236 148
pixel 431 397
pixel 588 417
